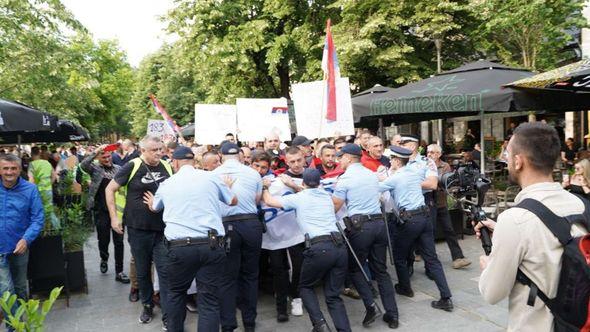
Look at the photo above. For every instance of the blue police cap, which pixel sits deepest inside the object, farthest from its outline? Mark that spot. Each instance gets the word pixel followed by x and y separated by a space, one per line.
pixel 311 177
pixel 230 148
pixel 409 138
pixel 352 149
pixel 399 152
pixel 183 152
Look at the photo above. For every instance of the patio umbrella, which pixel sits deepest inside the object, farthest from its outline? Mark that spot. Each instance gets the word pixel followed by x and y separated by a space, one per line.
pixel 573 77
pixel 66 131
pixel 17 118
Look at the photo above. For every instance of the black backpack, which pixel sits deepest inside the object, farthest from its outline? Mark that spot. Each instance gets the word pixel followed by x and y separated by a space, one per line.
pixel 571 305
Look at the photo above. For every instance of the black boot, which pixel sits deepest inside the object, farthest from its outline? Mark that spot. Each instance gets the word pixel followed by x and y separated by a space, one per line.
pixel 392 322
pixel 321 326
pixel 372 313
pixel 443 304
pixel 404 291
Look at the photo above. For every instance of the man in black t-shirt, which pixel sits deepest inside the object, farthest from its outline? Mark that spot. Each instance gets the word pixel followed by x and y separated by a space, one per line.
pixel 145 228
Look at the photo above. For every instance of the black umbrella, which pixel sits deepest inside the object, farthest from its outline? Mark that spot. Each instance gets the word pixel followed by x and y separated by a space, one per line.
pixel 66 131
pixel 188 130
pixel 17 118
pixel 573 77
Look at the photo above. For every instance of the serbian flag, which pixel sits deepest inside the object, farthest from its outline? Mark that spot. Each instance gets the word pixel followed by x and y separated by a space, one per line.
pixel 331 73
pixel 162 111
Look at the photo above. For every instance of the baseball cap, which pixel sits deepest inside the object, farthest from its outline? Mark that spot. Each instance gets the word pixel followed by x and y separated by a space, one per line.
pixel 350 148
pixel 311 177
pixel 183 153
pixel 230 148
pixel 300 140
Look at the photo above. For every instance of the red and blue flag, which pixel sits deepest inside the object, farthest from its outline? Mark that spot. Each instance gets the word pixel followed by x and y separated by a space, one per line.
pixel 331 73
pixel 162 111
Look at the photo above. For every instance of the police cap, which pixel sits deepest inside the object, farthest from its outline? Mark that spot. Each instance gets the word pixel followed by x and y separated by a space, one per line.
pixel 409 138
pixel 352 149
pixel 399 152
pixel 300 140
pixel 183 152
pixel 230 148
pixel 311 177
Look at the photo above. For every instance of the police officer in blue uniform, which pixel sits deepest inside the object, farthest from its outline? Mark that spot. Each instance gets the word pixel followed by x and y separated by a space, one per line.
pixel 190 199
pixel 413 227
pixel 325 257
pixel 358 187
pixel 239 282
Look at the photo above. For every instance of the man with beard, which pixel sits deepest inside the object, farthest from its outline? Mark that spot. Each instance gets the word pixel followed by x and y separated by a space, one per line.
pixel 328 167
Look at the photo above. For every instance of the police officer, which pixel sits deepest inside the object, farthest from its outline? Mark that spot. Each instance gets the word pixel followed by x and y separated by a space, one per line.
pixel 358 187
pixel 190 199
pixel 413 227
pixel 325 257
pixel 239 282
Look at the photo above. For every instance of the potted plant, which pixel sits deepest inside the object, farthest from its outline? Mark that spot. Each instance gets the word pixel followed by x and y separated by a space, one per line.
pixel 28 317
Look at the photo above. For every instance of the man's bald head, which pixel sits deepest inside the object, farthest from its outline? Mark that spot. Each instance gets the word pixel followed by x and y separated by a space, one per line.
pixel 272 141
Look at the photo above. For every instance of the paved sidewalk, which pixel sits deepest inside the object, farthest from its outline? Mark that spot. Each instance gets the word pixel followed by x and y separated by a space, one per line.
pixel 106 307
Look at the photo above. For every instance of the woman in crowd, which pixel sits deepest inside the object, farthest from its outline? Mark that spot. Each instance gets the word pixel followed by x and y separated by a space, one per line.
pixel 579 182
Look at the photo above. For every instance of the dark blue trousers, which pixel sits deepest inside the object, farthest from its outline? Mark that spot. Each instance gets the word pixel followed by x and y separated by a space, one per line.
pixel 417 231
pixel 325 263
pixel 185 264
pixel 371 243
pixel 148 246
pixel 239 281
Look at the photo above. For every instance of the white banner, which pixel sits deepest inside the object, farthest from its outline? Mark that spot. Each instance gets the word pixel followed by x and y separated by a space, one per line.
pixel 310 101
pixel 259 117
pixel 282 228
pixel 213 122
pixel 161 129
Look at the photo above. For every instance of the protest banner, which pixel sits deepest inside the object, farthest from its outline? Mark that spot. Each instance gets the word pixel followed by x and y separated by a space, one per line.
pixel 258 117
pixel 310 103
pixel 213 122
pixel 161 129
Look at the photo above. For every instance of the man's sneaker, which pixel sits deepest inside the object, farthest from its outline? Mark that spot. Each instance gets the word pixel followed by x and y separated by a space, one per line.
pixel 392 322
pixel 352 293
pixel 122 278
pixel 443 304
pixel 191 304
pixel 104 266
pixel 372 313
pixel 164 325
pixel 296 307
pixel 321 326
pixel 461 263
pixel 403 291
pixel 133 295
pixel 147 314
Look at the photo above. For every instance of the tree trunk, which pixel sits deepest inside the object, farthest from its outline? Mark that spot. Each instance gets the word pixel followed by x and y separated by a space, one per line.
pixel 283 72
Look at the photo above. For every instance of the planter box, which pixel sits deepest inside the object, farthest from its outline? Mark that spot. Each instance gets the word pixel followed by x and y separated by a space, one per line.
pixel 76 271
pixel 47 267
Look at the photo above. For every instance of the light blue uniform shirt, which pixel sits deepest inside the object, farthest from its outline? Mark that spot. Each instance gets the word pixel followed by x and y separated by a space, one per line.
pixel 247 187
pixel 423 167
pixel 405 187
pixel 314 209
pixel 190 199
pixel 359 188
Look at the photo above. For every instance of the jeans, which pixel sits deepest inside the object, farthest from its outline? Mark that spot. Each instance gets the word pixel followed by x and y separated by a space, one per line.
pixel 13 276
pixel 279 263
pixel 184 264
pixel 148 246
pixel 103 232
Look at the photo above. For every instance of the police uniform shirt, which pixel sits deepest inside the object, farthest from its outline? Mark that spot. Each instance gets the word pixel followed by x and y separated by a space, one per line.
pixel 314 209
pixel 247 186
pixel 136 214
pixel 190 199
pixel 423 166
pixel 359 188
pixel 405 187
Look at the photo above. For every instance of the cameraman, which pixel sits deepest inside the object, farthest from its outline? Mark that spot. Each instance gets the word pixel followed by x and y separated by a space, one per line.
pixel 520 239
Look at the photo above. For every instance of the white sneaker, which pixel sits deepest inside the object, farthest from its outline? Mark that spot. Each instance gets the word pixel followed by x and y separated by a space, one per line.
pixel 297 307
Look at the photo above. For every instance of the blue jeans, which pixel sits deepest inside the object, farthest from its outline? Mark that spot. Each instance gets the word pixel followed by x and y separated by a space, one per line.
pixel 13 275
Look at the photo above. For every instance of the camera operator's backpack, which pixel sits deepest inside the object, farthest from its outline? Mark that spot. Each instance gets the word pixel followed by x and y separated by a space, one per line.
pixel 571 305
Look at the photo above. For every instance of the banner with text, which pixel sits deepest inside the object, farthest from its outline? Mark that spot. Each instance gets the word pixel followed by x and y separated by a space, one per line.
pixel 259 117
pixel 161 129
pixel 310 101
pixel 213 122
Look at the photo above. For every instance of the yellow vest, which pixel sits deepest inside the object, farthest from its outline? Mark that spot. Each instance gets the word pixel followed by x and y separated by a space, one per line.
pixel 121 194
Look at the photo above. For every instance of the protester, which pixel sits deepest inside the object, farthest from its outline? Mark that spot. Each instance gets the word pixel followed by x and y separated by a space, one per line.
pixel 364 137
pixel 304 145
pixel 272 142
pixel 246 154
pixel 129 150
pixel 328 166
pixel 261 163
pixel 145 228
pixel 339 143
pixel 520 239
pixel 101 174
pixel 193 233
pixel 374 158
pixel 210 161
pixel 22 221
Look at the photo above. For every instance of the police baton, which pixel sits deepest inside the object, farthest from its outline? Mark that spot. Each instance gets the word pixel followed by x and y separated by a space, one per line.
pixel 389 245
pixel 358 262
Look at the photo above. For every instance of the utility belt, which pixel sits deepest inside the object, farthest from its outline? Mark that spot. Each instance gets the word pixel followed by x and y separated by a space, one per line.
pixel 334 237
pixel 247 217
pixel 212 239
pixel 355 222
pixel 406 215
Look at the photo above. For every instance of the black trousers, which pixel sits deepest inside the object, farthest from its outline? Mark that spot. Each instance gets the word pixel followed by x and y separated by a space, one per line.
pixel 280 270
pixel 103 232
pixel 443 219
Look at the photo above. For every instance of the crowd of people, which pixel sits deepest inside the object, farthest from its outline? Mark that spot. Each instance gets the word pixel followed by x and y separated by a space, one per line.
pixel 197 218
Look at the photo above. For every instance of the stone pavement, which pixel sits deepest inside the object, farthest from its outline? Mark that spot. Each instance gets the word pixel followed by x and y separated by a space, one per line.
pixel 106 307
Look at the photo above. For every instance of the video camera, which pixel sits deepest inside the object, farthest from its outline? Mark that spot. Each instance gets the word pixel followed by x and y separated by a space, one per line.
pixel 464 182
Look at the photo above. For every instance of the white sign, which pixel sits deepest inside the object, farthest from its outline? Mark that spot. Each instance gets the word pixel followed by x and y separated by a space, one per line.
pixel 310 100
pixel 161 129
pixel 213 122
pixel 259 117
